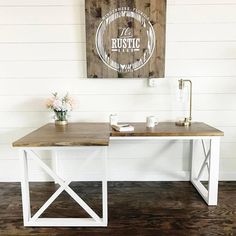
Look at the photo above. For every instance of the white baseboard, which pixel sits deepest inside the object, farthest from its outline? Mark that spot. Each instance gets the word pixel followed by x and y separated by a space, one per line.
pixel 149 176
pixel 129 176
pixel 227 176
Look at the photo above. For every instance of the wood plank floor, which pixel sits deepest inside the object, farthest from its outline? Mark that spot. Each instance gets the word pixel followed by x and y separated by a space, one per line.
pixel 135 208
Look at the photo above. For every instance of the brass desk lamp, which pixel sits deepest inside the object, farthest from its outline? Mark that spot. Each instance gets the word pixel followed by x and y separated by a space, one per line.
pixel 187 120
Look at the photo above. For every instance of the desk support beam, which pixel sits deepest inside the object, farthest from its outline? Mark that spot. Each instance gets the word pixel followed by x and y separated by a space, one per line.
pixel 214 171
pixel 25 187
pixel 55 163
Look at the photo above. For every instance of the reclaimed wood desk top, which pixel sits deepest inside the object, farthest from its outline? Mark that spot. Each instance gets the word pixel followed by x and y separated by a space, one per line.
pixel 98 134
pixel 170 129
pixel 73 134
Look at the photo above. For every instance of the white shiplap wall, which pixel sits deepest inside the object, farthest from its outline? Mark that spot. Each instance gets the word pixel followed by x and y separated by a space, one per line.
pixel 42 49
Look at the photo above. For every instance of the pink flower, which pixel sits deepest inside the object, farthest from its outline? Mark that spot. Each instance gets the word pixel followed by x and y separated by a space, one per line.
pixel 71 102
pixel 49 103
pixel 58 103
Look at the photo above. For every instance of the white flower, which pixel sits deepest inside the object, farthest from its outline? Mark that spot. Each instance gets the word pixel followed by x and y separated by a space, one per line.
pixel 57 105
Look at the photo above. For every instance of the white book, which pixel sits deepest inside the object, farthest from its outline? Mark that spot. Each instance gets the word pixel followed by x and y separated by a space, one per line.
pixel 123 127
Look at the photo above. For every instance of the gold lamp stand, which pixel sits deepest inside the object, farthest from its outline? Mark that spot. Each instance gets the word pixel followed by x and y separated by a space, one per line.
pixel 187 120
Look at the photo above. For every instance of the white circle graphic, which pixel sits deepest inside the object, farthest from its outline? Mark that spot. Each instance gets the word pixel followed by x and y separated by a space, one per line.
pixel 125 42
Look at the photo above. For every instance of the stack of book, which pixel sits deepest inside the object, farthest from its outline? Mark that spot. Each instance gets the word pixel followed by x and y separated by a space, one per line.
pixel 123 127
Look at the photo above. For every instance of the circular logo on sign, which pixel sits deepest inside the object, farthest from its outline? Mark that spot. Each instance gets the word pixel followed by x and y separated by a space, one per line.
pixel 125 39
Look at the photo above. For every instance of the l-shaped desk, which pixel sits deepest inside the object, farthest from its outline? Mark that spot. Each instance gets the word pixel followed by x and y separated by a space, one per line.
pixel 75 135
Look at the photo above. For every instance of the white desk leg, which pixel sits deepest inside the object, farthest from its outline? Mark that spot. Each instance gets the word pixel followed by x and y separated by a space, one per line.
pixel 55 166
pixel 104 189
pixel 210 195
pixel 214 171
pixel 25 187
pixel 194 163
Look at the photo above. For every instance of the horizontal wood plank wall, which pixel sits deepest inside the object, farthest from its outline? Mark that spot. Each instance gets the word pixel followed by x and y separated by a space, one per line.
pixel 42 50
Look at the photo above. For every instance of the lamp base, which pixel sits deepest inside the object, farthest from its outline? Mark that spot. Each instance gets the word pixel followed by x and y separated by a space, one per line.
pixel 186 122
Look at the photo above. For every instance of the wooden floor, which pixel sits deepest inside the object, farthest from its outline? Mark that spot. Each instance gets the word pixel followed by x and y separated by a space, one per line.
pixel 135 208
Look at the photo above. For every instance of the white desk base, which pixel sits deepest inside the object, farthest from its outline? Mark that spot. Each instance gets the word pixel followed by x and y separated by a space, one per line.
pixel 34 220
pixel 210 195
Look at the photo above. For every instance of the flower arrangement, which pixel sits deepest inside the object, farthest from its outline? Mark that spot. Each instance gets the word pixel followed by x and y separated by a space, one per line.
pixel 61 106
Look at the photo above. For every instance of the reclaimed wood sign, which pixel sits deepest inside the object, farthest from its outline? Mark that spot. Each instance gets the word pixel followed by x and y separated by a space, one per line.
pixel 125 38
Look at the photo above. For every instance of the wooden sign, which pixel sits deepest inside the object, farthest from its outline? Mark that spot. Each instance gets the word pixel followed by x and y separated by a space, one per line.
pixel 125 38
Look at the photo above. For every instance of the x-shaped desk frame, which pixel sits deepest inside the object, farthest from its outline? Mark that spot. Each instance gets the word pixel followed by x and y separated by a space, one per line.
pixel 36 220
